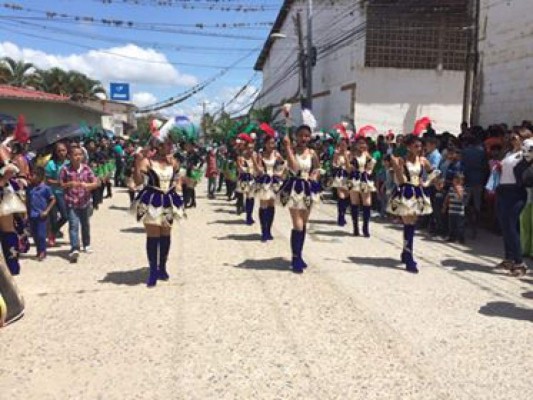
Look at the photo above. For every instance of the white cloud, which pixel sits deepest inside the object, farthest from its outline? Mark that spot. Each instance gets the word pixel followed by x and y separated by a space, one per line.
pixel 143 99
pixel 123 64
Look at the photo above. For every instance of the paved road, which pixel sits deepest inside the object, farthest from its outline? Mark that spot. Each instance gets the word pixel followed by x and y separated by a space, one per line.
pixel 234 323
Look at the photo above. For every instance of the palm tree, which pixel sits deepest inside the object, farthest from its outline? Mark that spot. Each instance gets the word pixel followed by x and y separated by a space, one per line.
pixel 17 73
pixel 82 88
pixel 54 80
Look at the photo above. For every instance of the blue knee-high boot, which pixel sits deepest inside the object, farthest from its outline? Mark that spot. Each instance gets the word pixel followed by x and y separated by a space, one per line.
pixel 249 207
pixel 355 219
pixel 10 243
pixel 407 253
pixel 152 246
pixel 263 221
pixel 366 221
pixel 270 220
pixel 164 249
pixel 342 205
pixel 304 264
pixel 296 248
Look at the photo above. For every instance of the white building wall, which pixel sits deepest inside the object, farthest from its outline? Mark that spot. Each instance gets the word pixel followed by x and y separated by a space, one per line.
pixel 506 61
pixel 395 98
pixel 385 98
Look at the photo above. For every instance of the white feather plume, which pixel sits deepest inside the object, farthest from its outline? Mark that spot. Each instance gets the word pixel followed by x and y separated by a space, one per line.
pixel 309 119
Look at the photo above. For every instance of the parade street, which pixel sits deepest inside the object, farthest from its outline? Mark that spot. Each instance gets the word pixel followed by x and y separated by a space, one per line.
pixel 233 322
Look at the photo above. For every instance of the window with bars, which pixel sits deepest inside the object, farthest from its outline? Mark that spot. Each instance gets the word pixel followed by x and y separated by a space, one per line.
pixel 417 34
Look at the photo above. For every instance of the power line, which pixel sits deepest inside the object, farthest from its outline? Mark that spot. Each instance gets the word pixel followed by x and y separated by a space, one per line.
pixel 113 39
pixel 175 63
pixel 194 90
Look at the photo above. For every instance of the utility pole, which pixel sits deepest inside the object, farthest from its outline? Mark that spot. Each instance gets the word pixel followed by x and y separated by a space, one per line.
pixel 471 47
pixel 310 55
pixel 204 109
pixel 301 58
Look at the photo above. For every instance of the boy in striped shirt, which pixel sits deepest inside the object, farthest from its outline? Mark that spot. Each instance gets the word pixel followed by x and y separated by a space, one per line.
pixel 455 204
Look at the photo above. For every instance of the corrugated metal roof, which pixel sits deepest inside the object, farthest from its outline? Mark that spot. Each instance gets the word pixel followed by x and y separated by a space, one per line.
pixel 12 92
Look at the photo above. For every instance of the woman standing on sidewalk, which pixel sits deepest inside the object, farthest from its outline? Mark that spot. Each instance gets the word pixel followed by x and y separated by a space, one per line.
pixel 511 199
pixel 360 165
pixel 410 200
pixel 300 191
pixel 340 179
pixel 158 204
pixel 58 161
pixel 270 168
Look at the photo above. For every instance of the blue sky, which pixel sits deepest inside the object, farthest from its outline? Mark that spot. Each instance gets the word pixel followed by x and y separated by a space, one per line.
pixel 91 47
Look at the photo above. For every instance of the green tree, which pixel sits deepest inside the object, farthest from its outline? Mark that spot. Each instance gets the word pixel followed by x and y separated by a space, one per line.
pixel 17 73
pixel 82 88
pixel 54 80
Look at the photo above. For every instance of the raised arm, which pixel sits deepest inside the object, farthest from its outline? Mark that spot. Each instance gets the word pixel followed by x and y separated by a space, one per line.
pixel 291 159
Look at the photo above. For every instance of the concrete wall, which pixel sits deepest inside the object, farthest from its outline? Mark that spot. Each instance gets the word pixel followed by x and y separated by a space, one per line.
pixel 396 98
pixel 506 61
pixel 42 115
pixel 386 98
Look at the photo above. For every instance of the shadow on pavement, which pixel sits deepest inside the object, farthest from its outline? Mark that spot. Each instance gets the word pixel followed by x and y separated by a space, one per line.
pixel 460 265
pixel 380 262
pixel 252 237
pixel 271 264
pixel 528 295
pixel 129 278
pixel 135 229
pixel 113 207
pixel 337 233
pixel 323 222
pixel 506 310
pixel 228 222
pixel 58 253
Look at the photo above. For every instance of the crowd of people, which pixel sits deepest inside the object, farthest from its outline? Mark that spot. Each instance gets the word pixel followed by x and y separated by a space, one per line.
pixel 446 184
pixel 443 183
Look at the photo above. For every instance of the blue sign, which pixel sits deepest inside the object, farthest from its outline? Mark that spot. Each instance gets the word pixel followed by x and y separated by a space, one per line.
pixel 120 91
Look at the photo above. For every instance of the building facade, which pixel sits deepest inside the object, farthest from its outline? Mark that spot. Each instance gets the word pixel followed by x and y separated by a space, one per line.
pixel 384 63
pixel 43 110
pixel 505 77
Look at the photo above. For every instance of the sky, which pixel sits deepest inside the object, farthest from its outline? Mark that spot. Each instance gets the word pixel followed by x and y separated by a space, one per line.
pixel 156 64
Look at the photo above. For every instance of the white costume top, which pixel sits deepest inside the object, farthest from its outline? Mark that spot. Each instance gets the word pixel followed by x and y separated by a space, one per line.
pixel 304 165
pixel 165 175
pixel 341 162
pixel 361 163
pixel 270 165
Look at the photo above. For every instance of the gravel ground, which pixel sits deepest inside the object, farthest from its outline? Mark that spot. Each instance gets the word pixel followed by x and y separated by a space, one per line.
pixel 234 323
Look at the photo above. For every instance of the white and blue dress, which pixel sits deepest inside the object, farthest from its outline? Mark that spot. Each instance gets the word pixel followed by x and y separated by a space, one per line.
pixel 158 202
pixel 411 198
pixel 299 191
pixel 268 184
pixel 360 179
pixel 340 173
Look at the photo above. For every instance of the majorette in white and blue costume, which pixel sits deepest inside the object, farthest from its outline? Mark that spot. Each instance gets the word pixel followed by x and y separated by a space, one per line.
pixel 411 199
pixel 361 183
pixel 267 186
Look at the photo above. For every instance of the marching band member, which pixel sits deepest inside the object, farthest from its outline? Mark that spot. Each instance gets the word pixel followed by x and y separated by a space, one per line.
pixel 360 165
pixel 300 191
pixel 158 204
pixel 340 179
pixel 410 200
pixel 270 168
pixel 245 165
